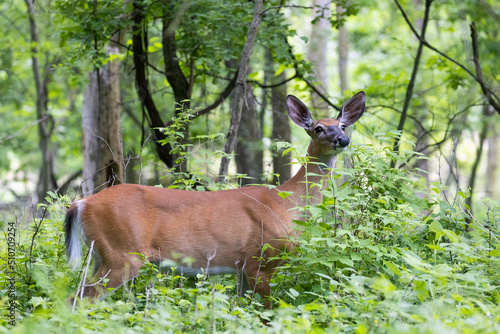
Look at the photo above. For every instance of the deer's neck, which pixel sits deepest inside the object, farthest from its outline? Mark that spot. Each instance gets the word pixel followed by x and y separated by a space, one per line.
pixel 306 186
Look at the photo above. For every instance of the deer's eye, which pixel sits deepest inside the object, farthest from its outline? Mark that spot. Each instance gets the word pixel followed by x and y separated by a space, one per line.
pixel 343 127
pixel 318 129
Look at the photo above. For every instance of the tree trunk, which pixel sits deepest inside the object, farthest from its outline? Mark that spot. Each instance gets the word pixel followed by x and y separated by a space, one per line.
pixel 239 93
pixel 101 121
pixel 317 52
pixel 411 83
pixel 492 161
pixel 142 86
pixel 281 131
pixel 343 50
pixel 472 179
pixel 422 146
pixel 180 85
pixel 46 180
pixel 249 153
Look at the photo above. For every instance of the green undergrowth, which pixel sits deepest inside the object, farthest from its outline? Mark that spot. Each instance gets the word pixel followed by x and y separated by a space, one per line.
pixel 384 252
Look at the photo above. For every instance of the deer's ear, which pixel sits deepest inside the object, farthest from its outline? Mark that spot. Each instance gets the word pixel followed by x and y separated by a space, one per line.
pixel 298 112
pixel 352 109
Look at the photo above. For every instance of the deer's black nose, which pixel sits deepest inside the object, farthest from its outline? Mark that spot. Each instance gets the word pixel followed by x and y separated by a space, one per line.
pixel 344 141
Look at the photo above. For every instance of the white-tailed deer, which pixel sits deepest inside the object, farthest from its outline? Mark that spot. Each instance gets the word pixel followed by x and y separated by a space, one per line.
pixel 222 231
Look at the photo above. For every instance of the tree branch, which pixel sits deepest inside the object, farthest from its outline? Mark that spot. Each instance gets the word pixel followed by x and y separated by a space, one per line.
pixel 411 84
pixel 222 97
pixel 493 100
pixel 273 85
pixel 426 44
pixel 239 93
pixel 298 74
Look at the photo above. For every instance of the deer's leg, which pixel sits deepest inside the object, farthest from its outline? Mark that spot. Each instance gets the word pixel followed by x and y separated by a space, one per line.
pixel 109 276
pixel 258 281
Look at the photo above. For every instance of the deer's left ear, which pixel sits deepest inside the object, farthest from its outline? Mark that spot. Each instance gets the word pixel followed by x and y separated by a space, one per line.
pixel 298 112
pixel 353 109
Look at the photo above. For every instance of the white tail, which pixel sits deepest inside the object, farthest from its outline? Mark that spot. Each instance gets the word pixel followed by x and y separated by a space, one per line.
pixel 223 231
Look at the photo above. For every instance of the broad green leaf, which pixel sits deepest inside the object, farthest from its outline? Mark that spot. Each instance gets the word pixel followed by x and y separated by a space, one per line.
pixel 435 247
pixel 451 235
pixel 392 267
pixel 284 194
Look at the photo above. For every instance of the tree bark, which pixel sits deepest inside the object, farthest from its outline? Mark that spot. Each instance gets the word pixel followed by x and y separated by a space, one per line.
pixel 281 126
pixel 317 52
pixel 343 50
pixel 249 153
pixel 142 87
pixel 472 178
pixel 47 179
pixel 173 71
pixel 492 157
pixel 239 93
pixel 101 120
pixel 422 137
pixel 492 162
pixel 281 132
pixel 180 85
pixel 411 83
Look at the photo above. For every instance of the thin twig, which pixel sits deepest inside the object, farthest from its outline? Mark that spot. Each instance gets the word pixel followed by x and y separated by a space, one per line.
pixel 468 213
pixel 81 286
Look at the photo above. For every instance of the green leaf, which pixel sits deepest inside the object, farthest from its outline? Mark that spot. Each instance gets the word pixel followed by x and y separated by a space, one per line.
pixel 420 288
pixel 287 150
pixel 437 228
pixel 346 261
pixel 294 292
pixel 284 194
pixel 280 69
pixel 392 267
pixel 452 236
pixel 315 211
pixel 494 252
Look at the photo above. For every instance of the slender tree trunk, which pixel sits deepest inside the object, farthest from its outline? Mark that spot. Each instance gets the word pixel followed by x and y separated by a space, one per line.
pixel 422 137
pixel 281 132
pixel 281 125
pixel 181 87
pixel 343 50
pixel 249 153
pixel 422 146
pixel 411 83
pixel 492 157
pixel 472 179
pixel 142 86
pixel 101 120
pixel 239 93
pixel 317 51
pixel 492 162
pixel 90 124
pixel 173 71
pixel 46 180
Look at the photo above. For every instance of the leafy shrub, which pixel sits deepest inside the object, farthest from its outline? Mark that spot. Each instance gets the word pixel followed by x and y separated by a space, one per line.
pixel 382 254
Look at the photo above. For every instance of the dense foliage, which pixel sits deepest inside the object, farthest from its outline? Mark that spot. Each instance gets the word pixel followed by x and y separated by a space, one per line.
pixel 380 254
